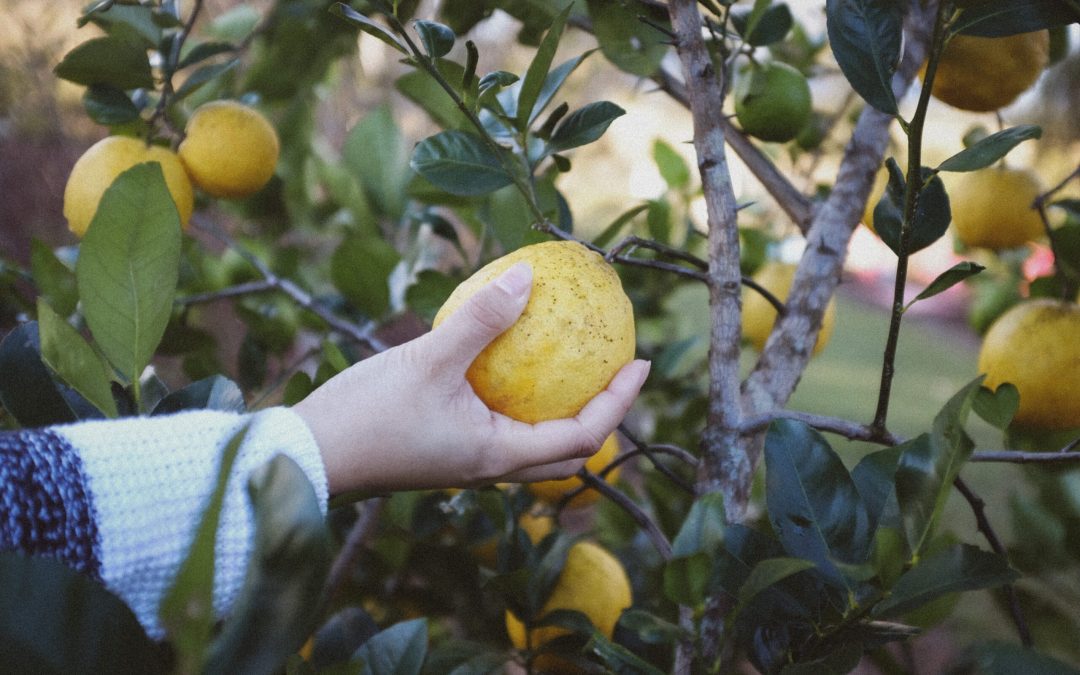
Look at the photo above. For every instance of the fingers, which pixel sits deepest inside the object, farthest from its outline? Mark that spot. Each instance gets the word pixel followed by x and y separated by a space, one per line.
pixel 483 317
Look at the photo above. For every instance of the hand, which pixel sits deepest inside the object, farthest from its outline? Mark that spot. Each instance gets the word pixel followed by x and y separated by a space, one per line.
pixel 408 419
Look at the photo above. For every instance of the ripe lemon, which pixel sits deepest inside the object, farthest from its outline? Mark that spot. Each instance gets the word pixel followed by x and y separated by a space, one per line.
pixel 758 314
pixel 992 208
pixel 592 582
pixel 983 74
pixel 1034 346
pixel 576 332
pixel 99 166
pixel 772 102
pixel 535 525
pixel 230 150
pixel 551 491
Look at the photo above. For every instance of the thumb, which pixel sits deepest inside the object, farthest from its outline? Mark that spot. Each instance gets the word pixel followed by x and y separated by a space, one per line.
pixel 484 316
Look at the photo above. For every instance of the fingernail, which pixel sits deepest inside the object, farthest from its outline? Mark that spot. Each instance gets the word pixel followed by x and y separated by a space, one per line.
pixel 516 280
pixel 644 367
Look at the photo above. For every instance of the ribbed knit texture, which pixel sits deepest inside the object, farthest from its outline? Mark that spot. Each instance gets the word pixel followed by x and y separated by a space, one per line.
pixel 150 479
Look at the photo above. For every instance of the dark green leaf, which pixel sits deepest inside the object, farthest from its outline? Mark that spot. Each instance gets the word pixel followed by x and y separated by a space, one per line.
pixel 360 268
pixel 686 578
pixel 128 266
pixel 203 51
pixel 108 105
pixel 55 620
pixel 54 279
pixel 873 477
pixel 119 61
pixel 203 75
pixel 650 628
pixel 932 213
pixel 1066 241
pixel 997 407
pixel 672 166
pixel 370 27
pixel 615 227
pixel 585 125
pixel 76 362
pixel 496 79
pixel 959 568
pixel 546 574
pixel 948 279
pixel 438 39
pixel 212 393
pixel 703 529
pixel 1001 658
pixel 865 37
pixel 27 390
pixel 376 153
pixel 187 608
pixel 998 18
pixel 658 220
pixel 764 26
pixel 278 605
pixel 990 149
pixel 813 504
pixel 461 657
pixel 552 83
pixel 536 75
pixel 618 658
pixel 123 19
pixel 509 218
pixel 398 650
pixel 339 638
pixel 626 40
pixel 768 573
pixel 460 163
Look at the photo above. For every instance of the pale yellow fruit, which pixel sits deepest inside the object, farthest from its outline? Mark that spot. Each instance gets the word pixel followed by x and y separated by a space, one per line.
pixel 229 149
pixel 981 74
pixel 881 181
pixel 758 314
pixel 1035 346
pixel 593 582
pixel 535 525
pixel 576 332
pixel 99 166
pixel 992 208
pixel 552 491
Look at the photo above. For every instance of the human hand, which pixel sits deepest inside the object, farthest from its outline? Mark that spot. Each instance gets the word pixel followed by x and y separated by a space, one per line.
pixel 408 419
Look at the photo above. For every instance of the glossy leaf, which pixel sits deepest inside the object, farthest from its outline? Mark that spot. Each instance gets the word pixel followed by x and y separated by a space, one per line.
pixel 686 578
pixel 990 149
pixel 398 650
pixel 376 152
pixel 212 393
pixel 376 30
pixel 460 163
pixel 672 166
pixel 626 40
pixel 202 76
pixel 27 389
pixel 118 19
pixel 585 125
pixel 873 477
pixel 203 51
pixel 959 568
pixel 618 658
pixel 536 75
pixel 609 233
pixel 127 268
pixel 342 634
pixel 765 26
pixel 768 573
pixel 703 529
pixel 813 504
pixel 553 82
pixel 650 628
pixel 947 279
pixel 438 39
pixel 75 361
pixel 108 105
pixel 360 268
pixel 55 620
pixel 865 37
pixel 425 91
pixel 932 212
pixel 997 407
pixel 54 279
pixel 277 608
pixel 119 61
pixel 998 18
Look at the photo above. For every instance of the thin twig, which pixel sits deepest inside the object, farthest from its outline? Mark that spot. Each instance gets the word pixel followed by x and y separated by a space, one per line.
pixel 652 530
pixel 169 69
pixel 238 290
pixel 1063 456
pixel 850 430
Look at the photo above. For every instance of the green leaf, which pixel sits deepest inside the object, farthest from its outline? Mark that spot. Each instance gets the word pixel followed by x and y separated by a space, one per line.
pixel 959 568
pixel 873 477
pixel 585 125
pixel 650 628
pixel 187 608
pixel 203 75
pixel 625 39
pixel 27 389
pixel 929 465
pixel 865 37
pixel 128 266
pixel 75 361
pixel 429 292
pixel 768 573
pixel 990 149
pixel 997 407
pixel 552 83
pixel 425 91
pixel 342 634
pixel 686 578
pixel 460 163
pixel 360 268
pixel 615 227
pixel 119 61
pixel 932 212
pixel 438 39
pixel 54 279
pixel 619 658
pixel 203 51
pixel 998 18
pixel 545 575
pixel 536 75
pixel 105 104
pixel 375 152
pixel 1001 658
pixel 212 393
pixel 398 650
pixel 56 620
pixel 813 504
pixel 703 529
pixel 121 19
pixel 672 166
pixel 368 26
pixel 764 24
pixel 947 279
pixel 278 608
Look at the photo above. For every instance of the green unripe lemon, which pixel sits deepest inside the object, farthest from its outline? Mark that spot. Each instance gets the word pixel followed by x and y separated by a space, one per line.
pixel 772 102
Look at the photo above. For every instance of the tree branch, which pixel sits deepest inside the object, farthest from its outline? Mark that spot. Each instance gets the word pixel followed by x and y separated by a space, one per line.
pixel 652 530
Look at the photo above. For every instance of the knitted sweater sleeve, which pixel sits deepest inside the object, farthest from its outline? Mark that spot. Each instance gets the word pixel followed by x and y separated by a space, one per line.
pixel 120 500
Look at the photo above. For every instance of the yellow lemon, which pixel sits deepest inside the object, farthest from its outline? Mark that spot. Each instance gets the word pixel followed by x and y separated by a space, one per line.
pixel 576 332
pixel 593 582
pixel 1034 346
pixel 992 208
pixel 536 526
pixel 229 149
pixel 99 166
pixel 551 491
pixel 758 314
pixel 983 74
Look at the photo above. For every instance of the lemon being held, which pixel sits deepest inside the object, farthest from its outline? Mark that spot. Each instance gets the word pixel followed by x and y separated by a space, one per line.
pixel 229 149
pixel 575 333
pixel 99 166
